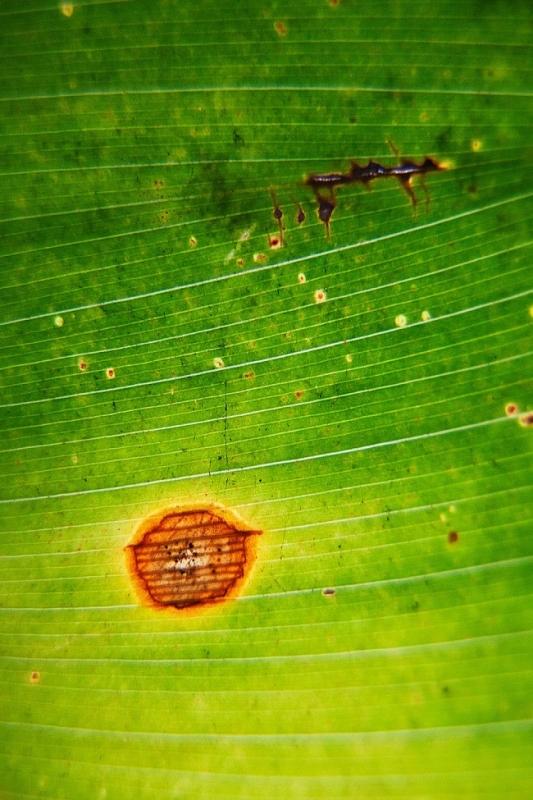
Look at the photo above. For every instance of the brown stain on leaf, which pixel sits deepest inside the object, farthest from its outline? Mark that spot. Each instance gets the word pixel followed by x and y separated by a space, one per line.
pixel 187 559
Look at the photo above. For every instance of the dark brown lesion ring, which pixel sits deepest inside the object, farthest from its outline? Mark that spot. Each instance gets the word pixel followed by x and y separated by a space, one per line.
pixel 190 558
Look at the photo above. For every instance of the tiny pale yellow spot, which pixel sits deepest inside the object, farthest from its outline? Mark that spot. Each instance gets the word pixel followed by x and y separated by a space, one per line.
pixel 476 145
pixel 452 509
pixel 74 458
pixel 400 320
pixel 443 517
pixel 531 311
pixel 193 241
pixel 259 258
pixel 59 322
pixel 425 315
pixel 301 277
pixel 218 363
pixel 67 9
pixel 320 296
pixel 349 358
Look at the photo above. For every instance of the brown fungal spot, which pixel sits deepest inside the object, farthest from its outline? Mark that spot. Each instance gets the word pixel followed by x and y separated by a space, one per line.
pixel 193 241
pixel 526 420
pixel 240 262
pixel 259 258
pixel 35 677
pixel 274 242
pixel 329 592
pixel 190 558
pixel 511 409
pixel 298 394
pixel 280 28
pixel 82 365
pixel 301 277
pixel 453 537
pixel 300 216
pixel 110 373
pixel 249 375
pixel 320 296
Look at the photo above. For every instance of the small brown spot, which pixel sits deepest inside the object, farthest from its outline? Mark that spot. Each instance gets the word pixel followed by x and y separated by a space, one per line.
pixel 218 363
pixel 82 365
pixel 320 296
pixel 300 216
pixel 67 9
pixel 35 677
pixel 334 3
pixel 298 394
pixel 110 373
pixel 511 409
pixel 329 592
pixel 274 242
pixel 193 241
pixel 301 277
pixel 240 262
pixel 249 375
pixel 526 420
pixel 189 558
pixel 453 537
pixel 259 258
pixel 280 28
pixel 159 183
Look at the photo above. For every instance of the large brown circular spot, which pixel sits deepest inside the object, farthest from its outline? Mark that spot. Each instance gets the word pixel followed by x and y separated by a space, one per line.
pixel 187 558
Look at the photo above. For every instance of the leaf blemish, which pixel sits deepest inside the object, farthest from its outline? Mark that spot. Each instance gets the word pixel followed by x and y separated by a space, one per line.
pixel 218 363
pixel 511 409
pixel 526 420
pixel 325 185
pixel 453 537
pixel 400 320
pixel 328 592
pixel 35 677
pixel 280 28
pixel 320 296
pixel 82 365
pixel 191 558
pixel 110 373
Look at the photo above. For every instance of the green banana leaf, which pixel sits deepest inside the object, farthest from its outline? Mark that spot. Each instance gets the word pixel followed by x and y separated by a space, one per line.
pixel 178 329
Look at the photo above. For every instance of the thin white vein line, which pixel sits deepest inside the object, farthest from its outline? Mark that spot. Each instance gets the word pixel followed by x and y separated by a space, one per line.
pixel 459 43
pixel 55 8
pixel 264 465
pixel 347 273
pixel 281 547
pixel 201 353
pixel 324 656
pixel 235 393
pixel 288 262
pixel 264 340
pixel 267 359
pixel 140 231
pixel 229 126
pixel 281 312
pixel 305 779
pixel 133 520
pixel 269 409
pixel 187 251
pixel 263 88
pixel 519 725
